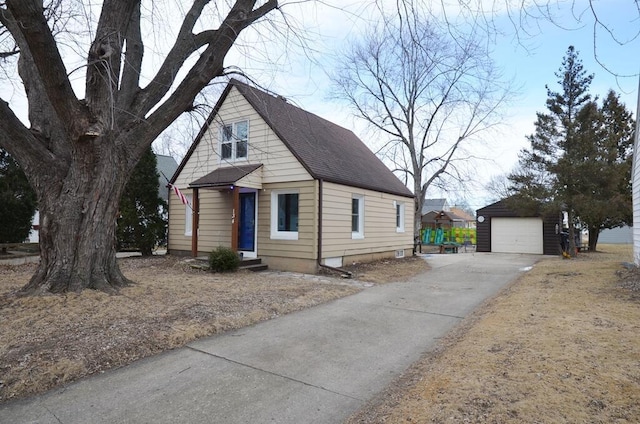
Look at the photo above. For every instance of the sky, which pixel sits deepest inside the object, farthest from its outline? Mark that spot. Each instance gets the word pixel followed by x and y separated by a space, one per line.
pixel 528 57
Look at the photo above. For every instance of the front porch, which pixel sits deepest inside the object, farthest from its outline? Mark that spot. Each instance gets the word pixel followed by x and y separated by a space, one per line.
pixel 229 218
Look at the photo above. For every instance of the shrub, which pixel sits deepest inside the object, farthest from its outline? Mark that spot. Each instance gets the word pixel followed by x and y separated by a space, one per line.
pixel 223 259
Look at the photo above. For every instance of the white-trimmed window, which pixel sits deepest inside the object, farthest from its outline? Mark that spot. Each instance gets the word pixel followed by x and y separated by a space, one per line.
pixel 188 216
pixel 399 217
pixel 357 217
pixel 284 214
pixel 234 141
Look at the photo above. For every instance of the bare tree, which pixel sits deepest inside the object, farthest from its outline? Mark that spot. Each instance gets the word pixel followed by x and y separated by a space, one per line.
pixel 427 90
pixel 78 153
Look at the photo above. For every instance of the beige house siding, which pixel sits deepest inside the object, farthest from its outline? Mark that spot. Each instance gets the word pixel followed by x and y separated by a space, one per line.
pixel 177 239
pixel 215 219
pixel 253 180
pixel 279 164
pixel 305 247
pixel 380 234
pixel 215 226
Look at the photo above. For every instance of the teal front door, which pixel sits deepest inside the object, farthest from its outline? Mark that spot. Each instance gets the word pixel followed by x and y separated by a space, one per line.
pixel 247 224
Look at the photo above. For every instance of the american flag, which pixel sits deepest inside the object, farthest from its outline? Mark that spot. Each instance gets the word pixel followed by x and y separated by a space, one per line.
pixel 182 197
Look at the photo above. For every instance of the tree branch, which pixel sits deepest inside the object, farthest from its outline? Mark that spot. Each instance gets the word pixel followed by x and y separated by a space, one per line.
pixel 185 44
pixel 21 143
pixel 132 62
pixel 46 57
pixel 208 66
pixel 104 59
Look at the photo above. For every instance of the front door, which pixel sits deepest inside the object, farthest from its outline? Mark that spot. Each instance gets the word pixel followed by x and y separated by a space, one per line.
pixel 247 225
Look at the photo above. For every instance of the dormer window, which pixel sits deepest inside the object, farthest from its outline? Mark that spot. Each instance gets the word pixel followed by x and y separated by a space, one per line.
pixel 234 141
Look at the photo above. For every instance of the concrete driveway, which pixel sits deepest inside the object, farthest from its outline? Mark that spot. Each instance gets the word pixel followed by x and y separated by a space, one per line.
pixel 318 365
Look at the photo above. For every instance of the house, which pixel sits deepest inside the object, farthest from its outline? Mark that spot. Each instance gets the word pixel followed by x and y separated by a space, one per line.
pixel 442 219
pixel 502 230
pixel 435 205
pixel 273 181
pixel 166 167
pixel 468 221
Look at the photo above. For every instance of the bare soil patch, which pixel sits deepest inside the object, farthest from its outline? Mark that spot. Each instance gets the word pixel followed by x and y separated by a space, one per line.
pixel 388 270
pixel 52 340
pixel 561 345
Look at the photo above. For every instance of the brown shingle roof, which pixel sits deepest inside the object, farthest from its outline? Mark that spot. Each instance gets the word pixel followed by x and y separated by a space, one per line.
pixel 328 151
pixel 224 176
pixel 462 214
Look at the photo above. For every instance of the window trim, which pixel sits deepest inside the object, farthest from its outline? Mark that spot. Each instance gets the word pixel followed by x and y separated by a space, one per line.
pixel 234 141
pixel 400 216
pixel 275 233
pixel 359 234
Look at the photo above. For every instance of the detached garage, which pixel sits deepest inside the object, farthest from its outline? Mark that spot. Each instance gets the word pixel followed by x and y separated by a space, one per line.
pixel 502 230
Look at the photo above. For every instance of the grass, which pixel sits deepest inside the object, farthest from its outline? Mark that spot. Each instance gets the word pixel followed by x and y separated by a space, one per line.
pixel 51 340
pixel 47 341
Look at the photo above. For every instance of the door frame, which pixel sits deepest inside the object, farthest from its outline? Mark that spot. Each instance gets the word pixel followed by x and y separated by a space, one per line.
pixel 250 253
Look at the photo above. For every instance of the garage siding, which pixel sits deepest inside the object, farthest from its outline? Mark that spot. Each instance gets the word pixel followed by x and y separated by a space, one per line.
pixel 550 225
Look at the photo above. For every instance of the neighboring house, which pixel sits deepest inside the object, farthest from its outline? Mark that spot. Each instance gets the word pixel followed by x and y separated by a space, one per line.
pixel 468 221
pixel 166 166
pixel 502 230
pixel 442 219
pixel 437 213
pixel 271 180
pixel 435 205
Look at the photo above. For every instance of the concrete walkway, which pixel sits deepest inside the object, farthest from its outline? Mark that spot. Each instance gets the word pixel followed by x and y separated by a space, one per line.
pixel 318 365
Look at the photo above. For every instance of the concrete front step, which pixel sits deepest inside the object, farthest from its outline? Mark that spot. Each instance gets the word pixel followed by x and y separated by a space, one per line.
pixel 254 267
pixel 253 264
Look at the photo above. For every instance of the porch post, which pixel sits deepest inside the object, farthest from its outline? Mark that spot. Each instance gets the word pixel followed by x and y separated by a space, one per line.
pixel 195 215
pixel 235 215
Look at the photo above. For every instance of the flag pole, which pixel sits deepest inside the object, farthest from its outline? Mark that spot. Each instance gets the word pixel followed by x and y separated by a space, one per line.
pixel 177 192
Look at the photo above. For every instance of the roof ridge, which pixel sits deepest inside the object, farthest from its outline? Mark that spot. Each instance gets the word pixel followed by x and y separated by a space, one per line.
pixel 287 103
pixel 325 149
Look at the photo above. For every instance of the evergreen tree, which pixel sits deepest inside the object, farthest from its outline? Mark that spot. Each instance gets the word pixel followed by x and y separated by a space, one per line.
pixel 548 169
pixel 605 200
pixel 17 201
pixel 141 223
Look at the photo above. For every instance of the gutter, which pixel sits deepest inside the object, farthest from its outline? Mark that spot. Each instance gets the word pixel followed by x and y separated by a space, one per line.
pixel 343 272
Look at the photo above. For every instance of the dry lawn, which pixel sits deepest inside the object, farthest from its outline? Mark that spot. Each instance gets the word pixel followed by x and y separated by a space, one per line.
pixel 561 345
pixel 52 340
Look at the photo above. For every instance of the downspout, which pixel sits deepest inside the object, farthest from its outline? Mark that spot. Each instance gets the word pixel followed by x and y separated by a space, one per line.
pixel 343 272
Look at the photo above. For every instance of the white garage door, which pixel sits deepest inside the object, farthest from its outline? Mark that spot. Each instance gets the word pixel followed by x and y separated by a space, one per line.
pixel 516 235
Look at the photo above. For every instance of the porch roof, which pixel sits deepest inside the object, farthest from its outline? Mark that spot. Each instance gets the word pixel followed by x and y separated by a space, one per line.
pixel 224 177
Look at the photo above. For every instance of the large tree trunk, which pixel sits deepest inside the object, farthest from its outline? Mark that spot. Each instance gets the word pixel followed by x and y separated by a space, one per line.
pixel 78 222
